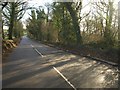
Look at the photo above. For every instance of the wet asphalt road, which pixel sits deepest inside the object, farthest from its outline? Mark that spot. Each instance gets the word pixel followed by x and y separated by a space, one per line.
pixel 25 68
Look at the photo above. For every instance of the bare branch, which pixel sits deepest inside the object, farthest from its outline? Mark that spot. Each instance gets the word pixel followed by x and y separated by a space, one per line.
pixel 86 15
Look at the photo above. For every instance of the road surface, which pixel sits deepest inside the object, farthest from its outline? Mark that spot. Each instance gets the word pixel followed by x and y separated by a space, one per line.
pixel 35 65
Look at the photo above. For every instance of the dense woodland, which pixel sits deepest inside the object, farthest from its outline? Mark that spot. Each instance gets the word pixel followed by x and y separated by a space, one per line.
pixel 66 23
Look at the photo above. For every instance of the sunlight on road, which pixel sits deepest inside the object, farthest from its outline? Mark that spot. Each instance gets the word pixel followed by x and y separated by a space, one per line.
pixel 30 69
pixel 83 70
pixel 101 79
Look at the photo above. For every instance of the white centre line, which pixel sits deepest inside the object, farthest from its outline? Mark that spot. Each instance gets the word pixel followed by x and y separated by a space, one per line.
pixel 65 78
pixel 56 70
pixel 37 51
pixel 32 46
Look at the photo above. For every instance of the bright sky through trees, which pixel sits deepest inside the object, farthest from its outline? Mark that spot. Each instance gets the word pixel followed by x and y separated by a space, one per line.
pixel 37 3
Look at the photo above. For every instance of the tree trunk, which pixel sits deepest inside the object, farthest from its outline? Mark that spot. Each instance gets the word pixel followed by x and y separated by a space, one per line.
pixel 48 31
pixel 10 31
pixel 108 33
pixel 3 35
pixel 74 17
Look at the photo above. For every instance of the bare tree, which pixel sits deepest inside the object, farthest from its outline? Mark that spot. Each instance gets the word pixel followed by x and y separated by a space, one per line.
pixel 13 12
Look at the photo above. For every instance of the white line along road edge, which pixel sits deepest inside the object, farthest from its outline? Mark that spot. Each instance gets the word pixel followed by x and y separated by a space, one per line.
pixel 65 78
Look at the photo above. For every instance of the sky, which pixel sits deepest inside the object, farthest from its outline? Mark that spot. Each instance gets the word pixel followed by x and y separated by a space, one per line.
pixel 37 3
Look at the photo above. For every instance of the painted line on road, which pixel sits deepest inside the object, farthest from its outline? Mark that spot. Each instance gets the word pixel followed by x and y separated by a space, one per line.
pixel 32 46
pixel 64 78
pixel 37 51
pixel 56 70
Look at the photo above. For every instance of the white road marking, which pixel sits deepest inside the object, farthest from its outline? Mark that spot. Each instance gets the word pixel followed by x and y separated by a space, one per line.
pixel 56 70
pixel 65 78
pixel 37 51
pixel 32 46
